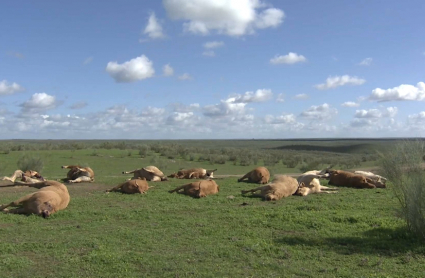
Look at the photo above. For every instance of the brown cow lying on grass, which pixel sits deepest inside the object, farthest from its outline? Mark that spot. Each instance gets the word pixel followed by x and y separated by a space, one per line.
pixel 29 176
pixel 194 173
pixel 198 189
pixel 348 179
pixel 259 175
pixel 51 197
pixel 150 173
pixel 310 183
pixel 281 186
pixel 79 174
pixel 134 186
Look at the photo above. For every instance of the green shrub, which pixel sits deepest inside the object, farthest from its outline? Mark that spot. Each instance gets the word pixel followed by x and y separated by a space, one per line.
pixel 29 162
pixel 403 168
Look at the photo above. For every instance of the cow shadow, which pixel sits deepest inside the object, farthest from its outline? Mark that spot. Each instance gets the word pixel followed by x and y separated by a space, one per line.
pixel 377 241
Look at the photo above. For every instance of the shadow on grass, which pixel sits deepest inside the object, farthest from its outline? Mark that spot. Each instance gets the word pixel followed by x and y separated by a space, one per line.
pixel 385 242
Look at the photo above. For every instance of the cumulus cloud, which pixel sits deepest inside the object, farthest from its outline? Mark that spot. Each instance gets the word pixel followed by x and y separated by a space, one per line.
pixel 182 118
pixel 39 102
pixel 388 112
pixel 167 70
pixel 260 95
pixel 152 111
pixel 180 107
pixel 301 96
pixel 320 112
pixel 136 69
pixel 337 81
pixel 366 62
pixel 402 92
pixel 290 58
pixel 283 119
pixel 78 105
pixel 280 97
pixel 9 89
pixel 417 118
pixel 350 104
pixel 185 76
pixel 213 44
pixel 224 108
pixel 231 17
pixel 153 28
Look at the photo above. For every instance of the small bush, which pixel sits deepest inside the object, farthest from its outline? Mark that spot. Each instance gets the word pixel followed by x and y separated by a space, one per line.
pixel 403 168
pixel 29 162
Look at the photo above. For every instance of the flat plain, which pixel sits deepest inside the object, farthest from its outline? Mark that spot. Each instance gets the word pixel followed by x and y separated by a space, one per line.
pixel 354 233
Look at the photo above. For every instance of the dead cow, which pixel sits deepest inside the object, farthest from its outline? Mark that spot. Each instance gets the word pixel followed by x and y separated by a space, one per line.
pixel 139 185
pixel 194 173
pixel 376 178
pixel 150 173
pixel 259 175
pixel 51 197
pixel 281 186
pixel 79 174
pixel 29 176
pixel 198 189
pixel 348 179
pixel 310 183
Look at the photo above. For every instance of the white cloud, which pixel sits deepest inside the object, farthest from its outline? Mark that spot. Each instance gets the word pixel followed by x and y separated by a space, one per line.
pixel 280 97
pixel 350 104
pixel 185 76
pixel 9 89
pixel 88 60
pixel 179 107
pixel 301 96
pixel 78 105
pixel 260 95
pixel 402 92
pixel 230 17
pixel 224 108
pixel 290 58
pixel 337 81
pixel 182 118
pixel 417 118
pixel 168 70
pixel 153 28
pixel 213 44
pixel 366 62
pixel 39 102
pixel 136 69
pixel 283 119
pixel 320 112
pixel 388 112
pixel 152 111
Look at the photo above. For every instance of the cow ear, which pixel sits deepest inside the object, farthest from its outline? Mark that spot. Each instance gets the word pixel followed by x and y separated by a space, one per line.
pixel 302 185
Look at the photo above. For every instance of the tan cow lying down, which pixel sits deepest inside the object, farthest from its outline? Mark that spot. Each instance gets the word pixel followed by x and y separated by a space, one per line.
pixel 150 173
pixel 310 183
pixel 131 187
pixel 372 176
pixel 51 197
pixel 348 179
pixel 259 175
pixel 281 186
pixel 29 176
pixel 194 173
pixel 79 174
pixel 198 189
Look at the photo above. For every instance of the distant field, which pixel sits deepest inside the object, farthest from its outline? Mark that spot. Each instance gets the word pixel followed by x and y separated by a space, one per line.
pixel 355 233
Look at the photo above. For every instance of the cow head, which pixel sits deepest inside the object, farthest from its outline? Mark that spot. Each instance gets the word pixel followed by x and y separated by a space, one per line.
pixel 210 173
pixel 46 210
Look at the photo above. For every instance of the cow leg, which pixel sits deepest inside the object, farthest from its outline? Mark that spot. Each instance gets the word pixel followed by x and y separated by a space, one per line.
pixel 191 175
pixel 116 188
pixel 244 177
pixel 130 172
pixel 177 189
pixel 325 188
pixel 251 190
pixel 16 211
pixel 16 203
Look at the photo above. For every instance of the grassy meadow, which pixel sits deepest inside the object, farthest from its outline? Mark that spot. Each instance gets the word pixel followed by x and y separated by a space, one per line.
pixel 354 233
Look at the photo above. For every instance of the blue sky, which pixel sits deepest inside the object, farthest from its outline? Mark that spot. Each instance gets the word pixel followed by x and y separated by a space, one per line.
pixel 211 69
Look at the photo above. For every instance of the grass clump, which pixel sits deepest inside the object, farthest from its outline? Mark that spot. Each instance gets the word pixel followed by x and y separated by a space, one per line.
pixel 403 167
pixel 30 162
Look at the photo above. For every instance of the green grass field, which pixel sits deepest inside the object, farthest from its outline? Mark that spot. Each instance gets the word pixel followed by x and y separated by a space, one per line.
pixel 355 233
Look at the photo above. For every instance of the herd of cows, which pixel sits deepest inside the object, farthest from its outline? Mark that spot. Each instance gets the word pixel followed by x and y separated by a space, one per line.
pixel 53 196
